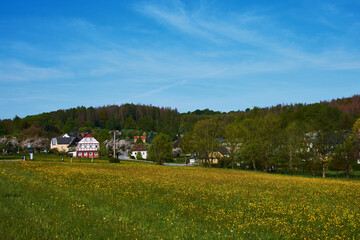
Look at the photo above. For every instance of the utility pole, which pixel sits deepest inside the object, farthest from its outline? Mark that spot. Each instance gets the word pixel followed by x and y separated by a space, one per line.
pixel 114 144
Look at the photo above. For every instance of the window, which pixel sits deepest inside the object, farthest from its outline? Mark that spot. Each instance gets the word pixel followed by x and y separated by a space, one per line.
pixel 85 153
pixel 79 154
pixel 90 153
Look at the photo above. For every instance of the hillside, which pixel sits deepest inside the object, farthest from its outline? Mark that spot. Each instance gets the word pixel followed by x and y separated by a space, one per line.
pixel 349 105
pixel 146 118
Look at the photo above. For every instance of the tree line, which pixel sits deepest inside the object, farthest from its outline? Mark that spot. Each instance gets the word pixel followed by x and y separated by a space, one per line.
pixel 292 137
pixel 309 138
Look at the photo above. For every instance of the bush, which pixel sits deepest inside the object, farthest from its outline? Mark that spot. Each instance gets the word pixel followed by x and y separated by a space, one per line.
pixel 114 160
pixel 138 156
pixel 54 151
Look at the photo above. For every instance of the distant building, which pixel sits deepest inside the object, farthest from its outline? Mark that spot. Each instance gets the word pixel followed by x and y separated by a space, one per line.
pixel 177 143
pixel 143 138
pixel 221 153
pixel 62 144
pixel 88 147
pixel 141 149
pixel 192 160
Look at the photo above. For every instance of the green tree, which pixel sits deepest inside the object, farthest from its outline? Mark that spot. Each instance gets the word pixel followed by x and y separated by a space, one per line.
pixel 138 156
pixel 294 140
pixel 139 141
pixel 341 158
pixel 103 116
pixel 160 149
pixel 354 138
pixel 261 140
pixel 204 137
pixel 150 137
pixel 323 145
pixel 250 141
pixel 111 123
pixel 101 136
pixel 187 143
pixel 233 140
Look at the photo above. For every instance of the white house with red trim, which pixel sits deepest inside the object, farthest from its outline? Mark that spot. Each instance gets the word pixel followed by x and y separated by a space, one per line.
pixel 88 147
pixel 141 149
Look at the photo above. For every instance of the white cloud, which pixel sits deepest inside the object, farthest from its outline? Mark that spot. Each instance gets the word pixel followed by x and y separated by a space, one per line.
pixel 15 71
pixel 275 43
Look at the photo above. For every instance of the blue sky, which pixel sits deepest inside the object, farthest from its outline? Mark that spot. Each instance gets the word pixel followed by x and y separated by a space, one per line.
pixel 222 55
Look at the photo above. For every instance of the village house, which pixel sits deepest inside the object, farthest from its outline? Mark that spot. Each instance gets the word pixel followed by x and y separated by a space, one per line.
pixel 222 152
pixel 141 149
pixel 88 147
pixel 143 138
pixel 192 160
pixel 62 144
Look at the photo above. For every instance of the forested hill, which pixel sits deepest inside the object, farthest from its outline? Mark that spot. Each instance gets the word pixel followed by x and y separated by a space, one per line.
pixel 349 105
pixel 335 114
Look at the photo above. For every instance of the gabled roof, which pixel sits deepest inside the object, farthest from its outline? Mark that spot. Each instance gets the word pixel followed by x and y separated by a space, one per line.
pixel 72 134
pixel 83 134
pixel 223 150
pixel 176 143
pixel 139 148
pixel 88 139
pixel 63 140
pixel 75 140
pixel 137 137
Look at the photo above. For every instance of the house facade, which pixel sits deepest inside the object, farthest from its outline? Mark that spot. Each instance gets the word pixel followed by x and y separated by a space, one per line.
pixel 214 157
pixel 88 147
pixel 60 143
pixel 141 149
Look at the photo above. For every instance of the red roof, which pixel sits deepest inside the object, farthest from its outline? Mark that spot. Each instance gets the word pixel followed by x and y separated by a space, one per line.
pixel 137 137
pixel 139 148
pixel 88 136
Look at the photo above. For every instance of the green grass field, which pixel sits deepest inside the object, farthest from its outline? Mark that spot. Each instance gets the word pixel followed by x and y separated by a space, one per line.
pixel 49 200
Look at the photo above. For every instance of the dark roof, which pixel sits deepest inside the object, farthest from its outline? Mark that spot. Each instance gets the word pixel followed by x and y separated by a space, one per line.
pixel 176 143
pixel 139 148
pixel 223 150
pixel 74 140
pixel 63 140
pixel 72 134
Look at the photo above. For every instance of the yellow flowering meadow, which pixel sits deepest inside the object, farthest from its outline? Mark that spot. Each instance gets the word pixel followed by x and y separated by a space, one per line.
pixel 44 200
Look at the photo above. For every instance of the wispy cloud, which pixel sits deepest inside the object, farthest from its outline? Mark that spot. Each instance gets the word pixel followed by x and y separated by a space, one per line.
pixel 173 16
pixel 247 28
pixel 15 71
pixel 169 45
pixel 154 91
